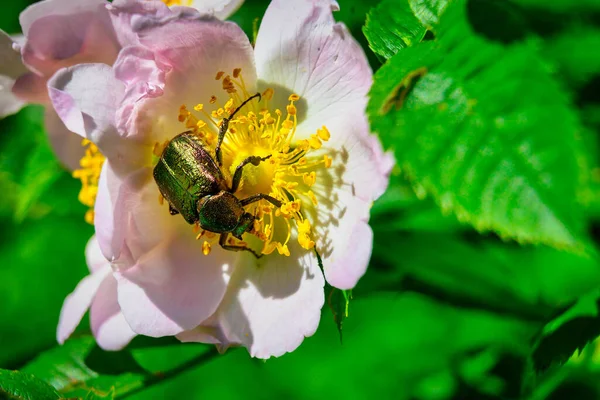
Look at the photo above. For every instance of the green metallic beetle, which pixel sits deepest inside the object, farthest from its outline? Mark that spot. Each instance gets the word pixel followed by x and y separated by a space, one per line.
pixel 193 185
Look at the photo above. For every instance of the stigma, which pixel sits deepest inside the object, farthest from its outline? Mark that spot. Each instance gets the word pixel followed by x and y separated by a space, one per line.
pixel 289 174
pixel 89 175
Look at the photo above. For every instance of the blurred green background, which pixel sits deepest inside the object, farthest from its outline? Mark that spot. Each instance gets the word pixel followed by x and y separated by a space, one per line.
pixel 443 312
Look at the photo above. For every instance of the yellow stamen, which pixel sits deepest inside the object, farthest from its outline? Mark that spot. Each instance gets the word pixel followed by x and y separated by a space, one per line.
pixel 89 175
pixel 288 175
pixel 178 2
pixel 206 248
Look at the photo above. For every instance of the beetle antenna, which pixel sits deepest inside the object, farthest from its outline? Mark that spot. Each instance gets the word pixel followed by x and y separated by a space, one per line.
pixel 244 103
pixel 225 126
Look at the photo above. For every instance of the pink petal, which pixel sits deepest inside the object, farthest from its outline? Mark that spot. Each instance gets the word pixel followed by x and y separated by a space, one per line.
pixel 66 145
pixel 55 7
pixel 61 33
pixel 77 303
pixel 111 210
pixel 177 64
pixel 173 287
pixel 271 305
pixel 108 323
pixel 32 88
pixel 127 14
pixel 166 284
pixel 301 49
pixel 86 98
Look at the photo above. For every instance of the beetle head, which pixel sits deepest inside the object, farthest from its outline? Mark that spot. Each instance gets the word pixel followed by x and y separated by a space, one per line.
pixel 245 224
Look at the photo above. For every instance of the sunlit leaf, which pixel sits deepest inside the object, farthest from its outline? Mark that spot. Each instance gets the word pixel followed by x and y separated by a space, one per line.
pixel 67 368
pixel 392 26
pixel 23 386
pixel 428 11
pixel 489 133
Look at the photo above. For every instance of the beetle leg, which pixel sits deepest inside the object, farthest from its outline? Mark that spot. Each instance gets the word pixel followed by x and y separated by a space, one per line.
pixel 260 196
pixel 232 247
pixel 172 211
pixel 237 176
pixel 225 126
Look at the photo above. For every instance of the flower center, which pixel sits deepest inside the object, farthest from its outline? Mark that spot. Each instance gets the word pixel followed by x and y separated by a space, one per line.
pixel 89 175
pixel 288 173
pixel 177 2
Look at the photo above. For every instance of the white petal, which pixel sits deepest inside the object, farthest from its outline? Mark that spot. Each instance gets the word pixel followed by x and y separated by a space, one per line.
pixel 301 49
pixel 221 9
pixel 271 304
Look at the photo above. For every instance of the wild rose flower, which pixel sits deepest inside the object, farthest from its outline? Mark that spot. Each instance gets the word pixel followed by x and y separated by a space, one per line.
pixel 62 33
pixel 186 74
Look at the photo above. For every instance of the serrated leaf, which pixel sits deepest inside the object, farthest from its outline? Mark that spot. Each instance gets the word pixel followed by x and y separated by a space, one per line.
pixel 392 26
pixel 428 11
pixel 67 369
pixel 23 386
pixel 569 332
pixel 488 133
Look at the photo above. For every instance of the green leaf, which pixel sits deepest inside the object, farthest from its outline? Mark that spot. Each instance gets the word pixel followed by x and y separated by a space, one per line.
pixel 45 260
pixel 67 368
pixel 529 282
pixel 392 26
pixel 399 209
pixel 428 11
pixel 29 170
pixel 339 304
pixel 40 172
pixel 573 52
pixel 488 133
pixel 569 332
pixel 337 300
pixel 23 386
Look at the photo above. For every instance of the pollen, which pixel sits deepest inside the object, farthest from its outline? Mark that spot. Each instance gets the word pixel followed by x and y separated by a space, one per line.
pixel 290 173
pixel 206 248
pixel 89 175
